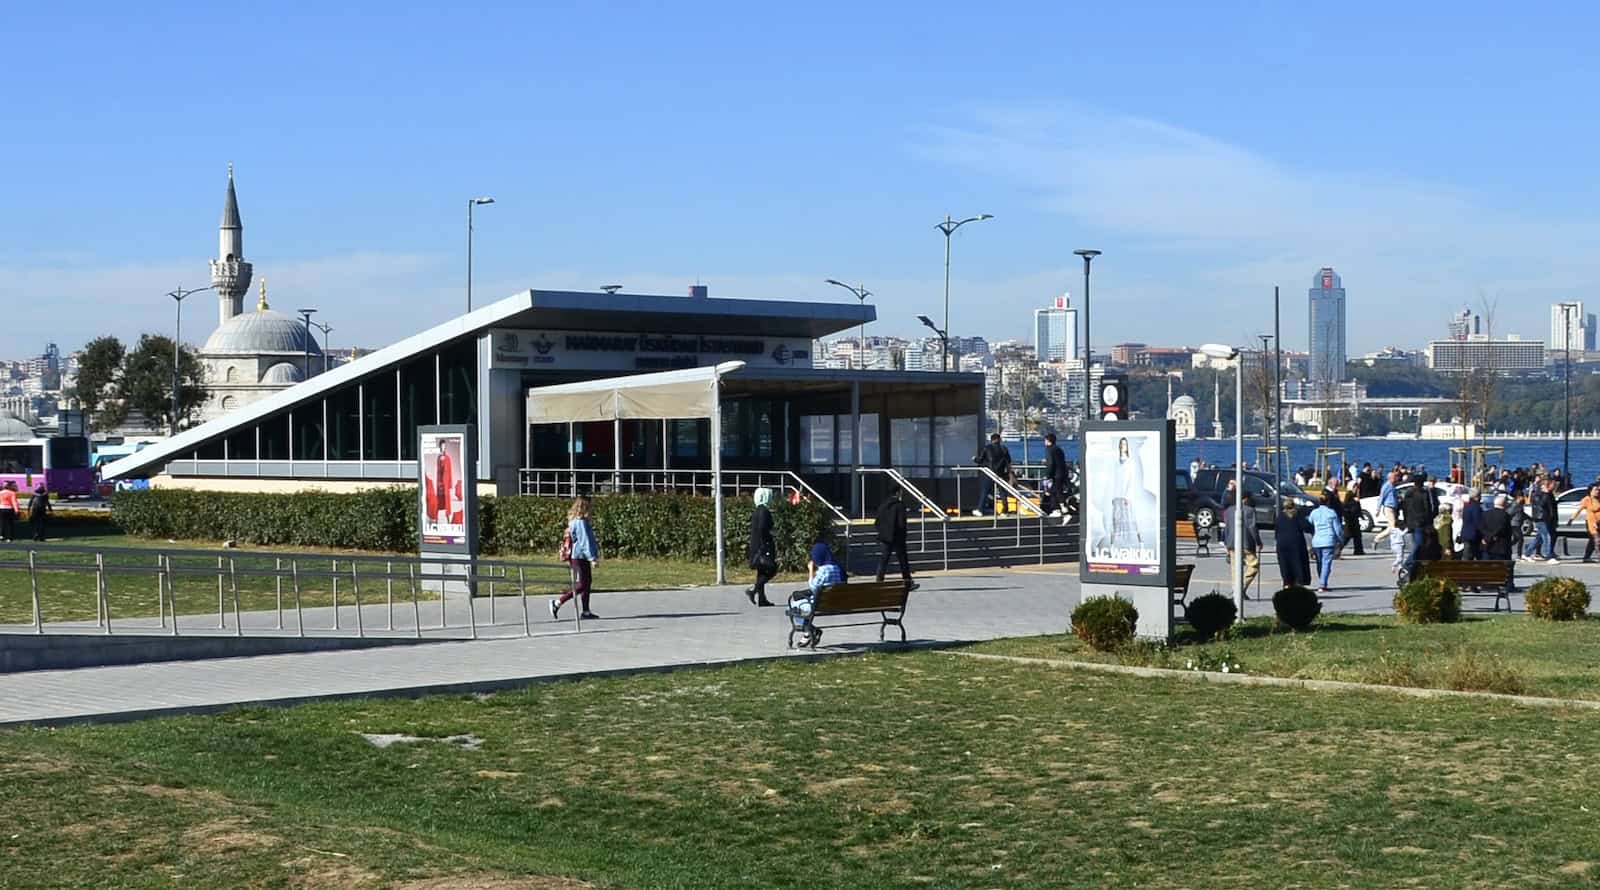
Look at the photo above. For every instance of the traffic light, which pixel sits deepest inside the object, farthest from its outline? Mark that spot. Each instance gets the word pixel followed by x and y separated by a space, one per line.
pixel 1112 397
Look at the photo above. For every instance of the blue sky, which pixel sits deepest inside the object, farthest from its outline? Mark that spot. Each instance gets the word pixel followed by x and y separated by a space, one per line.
pixel 1437 157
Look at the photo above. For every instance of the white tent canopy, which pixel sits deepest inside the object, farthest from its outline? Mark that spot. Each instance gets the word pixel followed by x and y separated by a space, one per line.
pixel 667 395
pixel 691 393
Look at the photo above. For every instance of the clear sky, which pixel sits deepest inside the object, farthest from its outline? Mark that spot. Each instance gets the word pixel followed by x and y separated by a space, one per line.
pixel 1437 156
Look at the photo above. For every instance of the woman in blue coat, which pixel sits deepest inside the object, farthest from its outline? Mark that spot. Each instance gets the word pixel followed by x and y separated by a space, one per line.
pixel 1289 533
pixel 1327 533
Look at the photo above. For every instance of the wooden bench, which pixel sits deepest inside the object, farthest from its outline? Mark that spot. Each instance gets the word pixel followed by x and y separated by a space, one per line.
pixel 1186 530
pixel 887 598
pixel 1180 586
pixel 1472 574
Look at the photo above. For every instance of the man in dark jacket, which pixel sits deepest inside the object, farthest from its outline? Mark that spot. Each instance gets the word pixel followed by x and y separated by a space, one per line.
pixel 891 528
pixel 1055 475
pixel 1251 558
pixel 997 457
pixel 1419 509
pixel 38 511
pixel 1494 531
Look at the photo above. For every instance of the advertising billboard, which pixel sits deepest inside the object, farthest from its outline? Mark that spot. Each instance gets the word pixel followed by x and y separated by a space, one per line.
pixel 1127 503
pixel 447 494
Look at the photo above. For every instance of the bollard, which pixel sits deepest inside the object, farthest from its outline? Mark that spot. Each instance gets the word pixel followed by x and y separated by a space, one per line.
pixel 33 579
pixel 299 613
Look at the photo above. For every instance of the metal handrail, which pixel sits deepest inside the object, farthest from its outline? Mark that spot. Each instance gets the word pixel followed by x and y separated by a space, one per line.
pixel 1008 488
pixel 166 570
pixel 928 506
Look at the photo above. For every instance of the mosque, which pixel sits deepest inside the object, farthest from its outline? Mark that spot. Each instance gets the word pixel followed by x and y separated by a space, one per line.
pixel 250 355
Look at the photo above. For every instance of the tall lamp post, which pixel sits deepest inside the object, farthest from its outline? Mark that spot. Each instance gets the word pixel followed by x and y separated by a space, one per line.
pixel 177 340
pixel 1266 405
pixel 944 339
pixel 1088 354
pixel 861 293
pixel 310 339
pixel 326 329
pixel 948 227
pixel 1566 391
pixel 1220 351
pixel 471 203
pixel 1277 388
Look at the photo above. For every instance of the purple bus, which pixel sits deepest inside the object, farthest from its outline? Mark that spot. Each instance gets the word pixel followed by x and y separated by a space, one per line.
pixel 59 463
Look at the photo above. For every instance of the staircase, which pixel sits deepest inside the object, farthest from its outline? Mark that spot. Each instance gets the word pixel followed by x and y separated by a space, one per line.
pixel 973 543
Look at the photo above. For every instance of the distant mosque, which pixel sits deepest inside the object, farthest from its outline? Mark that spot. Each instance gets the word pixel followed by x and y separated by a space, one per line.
pixel 250 355
pixel 1181 411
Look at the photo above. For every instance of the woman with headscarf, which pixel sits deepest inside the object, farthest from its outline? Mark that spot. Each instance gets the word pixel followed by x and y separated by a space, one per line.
pixel 1289 534
pixel 762 550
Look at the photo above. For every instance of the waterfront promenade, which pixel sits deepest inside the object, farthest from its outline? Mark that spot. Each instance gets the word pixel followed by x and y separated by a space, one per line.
pixel 646 630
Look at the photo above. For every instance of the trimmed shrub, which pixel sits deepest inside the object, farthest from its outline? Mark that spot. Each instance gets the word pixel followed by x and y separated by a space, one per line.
pixel 1428 601
pixel 1105 622
pixel 1558 599
pixel 1211 614
pixel 385 519
pixel 1296 607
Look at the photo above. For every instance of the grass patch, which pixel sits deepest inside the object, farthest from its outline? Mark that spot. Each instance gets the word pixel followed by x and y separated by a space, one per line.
pixel 893 770
pixel 131 586
pixel 1509 653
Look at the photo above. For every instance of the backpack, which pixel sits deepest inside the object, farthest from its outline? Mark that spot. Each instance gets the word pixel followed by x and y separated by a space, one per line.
pixel 565 553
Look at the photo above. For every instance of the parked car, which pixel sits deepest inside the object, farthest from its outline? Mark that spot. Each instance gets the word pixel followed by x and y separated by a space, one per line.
pixel 1209 485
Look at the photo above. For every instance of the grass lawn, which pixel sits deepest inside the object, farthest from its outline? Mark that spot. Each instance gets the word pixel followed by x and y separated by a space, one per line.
pixel 889 770
pixel 1506 653
pixel 70 595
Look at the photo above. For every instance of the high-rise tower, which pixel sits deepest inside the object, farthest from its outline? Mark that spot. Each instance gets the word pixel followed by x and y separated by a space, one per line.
pixel 1327 328
pixel 230 274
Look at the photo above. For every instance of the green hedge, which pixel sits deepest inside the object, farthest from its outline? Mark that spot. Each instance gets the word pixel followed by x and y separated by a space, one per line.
pixel 385 519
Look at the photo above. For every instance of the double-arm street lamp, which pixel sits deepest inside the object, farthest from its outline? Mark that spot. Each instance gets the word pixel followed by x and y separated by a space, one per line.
pixel 948 227
pixel 944 339
pixel 1233 354
pixel 177 340
pixel 471 203
pixel 861 293
pixel 326 329
pixel 1088 354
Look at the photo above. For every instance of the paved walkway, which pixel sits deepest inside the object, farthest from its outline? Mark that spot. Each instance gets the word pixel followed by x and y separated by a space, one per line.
pixel 638 631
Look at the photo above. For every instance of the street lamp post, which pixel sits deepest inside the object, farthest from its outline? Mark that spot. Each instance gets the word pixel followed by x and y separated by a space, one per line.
pixel 1277 389
pixel 861 293
pixel 326 329
pixel 177 341
pixel 948 227
pixel 305 365
pixel 471 203
pixel 1219 351
pixel 944 339
pixel 1266 405
pixel 1566 391
pixel 1088 354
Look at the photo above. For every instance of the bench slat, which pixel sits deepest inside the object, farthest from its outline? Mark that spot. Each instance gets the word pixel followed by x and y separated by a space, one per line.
pixel 872 596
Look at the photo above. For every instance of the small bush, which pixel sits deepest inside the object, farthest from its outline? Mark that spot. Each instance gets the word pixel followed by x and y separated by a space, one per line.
pixel 1211 614
pixel 1558 599
pixel 1296 607
pixel 1105 623
pixel 1428 601
pixel 1470 672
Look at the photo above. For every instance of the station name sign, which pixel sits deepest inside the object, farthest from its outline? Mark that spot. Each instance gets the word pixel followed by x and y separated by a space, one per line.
pixel 613 350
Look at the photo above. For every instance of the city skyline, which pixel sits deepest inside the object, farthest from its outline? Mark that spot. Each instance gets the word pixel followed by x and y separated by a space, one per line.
pixel 617 177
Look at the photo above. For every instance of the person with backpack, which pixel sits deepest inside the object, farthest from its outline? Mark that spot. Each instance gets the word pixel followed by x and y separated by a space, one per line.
pixel 997 457
pixel 581 550
pixel 762 550
pixel 890 525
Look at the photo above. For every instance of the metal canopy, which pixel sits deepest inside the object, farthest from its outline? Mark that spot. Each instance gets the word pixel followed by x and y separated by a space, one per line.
pixel 573 310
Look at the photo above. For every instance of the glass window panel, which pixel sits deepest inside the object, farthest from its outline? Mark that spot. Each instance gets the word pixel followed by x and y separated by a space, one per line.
pixel 870 447
pixel 344 424
pixel 458 382
pixel 908 442
pixel 212 450
pixel 955 441
pixel 419 403
pixel 816 440
pixel 846 439
pixel 308 431
pixel 242 444
pixel 275 437
pixel 379 417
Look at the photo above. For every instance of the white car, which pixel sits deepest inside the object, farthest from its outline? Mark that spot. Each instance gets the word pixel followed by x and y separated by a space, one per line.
pixel 1371 516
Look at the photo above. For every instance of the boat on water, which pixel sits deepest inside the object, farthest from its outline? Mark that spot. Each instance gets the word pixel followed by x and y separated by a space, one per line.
pixel 1394 435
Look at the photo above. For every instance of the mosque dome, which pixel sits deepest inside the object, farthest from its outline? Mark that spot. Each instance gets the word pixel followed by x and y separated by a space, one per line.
pixel 1181 403
pixel 265 331
pixel 12 428
pixel 282 372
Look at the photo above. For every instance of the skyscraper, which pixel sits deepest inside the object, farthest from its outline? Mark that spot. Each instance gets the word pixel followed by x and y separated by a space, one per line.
pixel 1582 328
pixel 1055 331
pixel 1463 324
pixel 1327 327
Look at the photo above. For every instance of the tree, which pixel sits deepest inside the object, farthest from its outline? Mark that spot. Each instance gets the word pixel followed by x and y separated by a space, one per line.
pixel 146 381
pixel 99 368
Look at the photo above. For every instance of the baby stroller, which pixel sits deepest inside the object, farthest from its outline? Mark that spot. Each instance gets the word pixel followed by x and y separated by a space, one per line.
pixel 799 613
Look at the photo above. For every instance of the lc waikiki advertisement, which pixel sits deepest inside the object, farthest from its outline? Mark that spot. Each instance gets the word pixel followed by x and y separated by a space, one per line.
pixel 1127 504
pixel 448 495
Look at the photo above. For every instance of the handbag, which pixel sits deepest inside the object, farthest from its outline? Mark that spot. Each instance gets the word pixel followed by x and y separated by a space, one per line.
pixel 565 552
pixel 766 562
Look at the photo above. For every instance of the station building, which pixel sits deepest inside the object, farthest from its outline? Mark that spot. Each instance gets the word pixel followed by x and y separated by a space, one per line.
pixel 356 425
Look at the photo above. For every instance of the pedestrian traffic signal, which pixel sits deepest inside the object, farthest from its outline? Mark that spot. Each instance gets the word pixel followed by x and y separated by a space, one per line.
pixel 1113 397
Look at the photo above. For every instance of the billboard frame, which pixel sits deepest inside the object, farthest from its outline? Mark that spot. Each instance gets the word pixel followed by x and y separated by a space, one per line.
pixel 468 545
pixel 1090 572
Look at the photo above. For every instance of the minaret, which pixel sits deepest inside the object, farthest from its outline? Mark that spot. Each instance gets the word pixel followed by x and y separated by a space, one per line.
pixel 230 274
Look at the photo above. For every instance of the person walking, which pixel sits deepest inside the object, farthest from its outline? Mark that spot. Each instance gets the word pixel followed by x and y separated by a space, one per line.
pixel 762 552
pixel 1542 509
pixel 8 511
pixel 1350 512
pixel 581 550
pixel 1388 508
pixel 1589 509
pixel 1327 530
pixel 1251 537
pixel 890 525
pixel 38 510
pixel 997 457
pixel 1289 539
pixel 1467 532
pixel 1055 476
pixel 1517 513
pixel 1419 511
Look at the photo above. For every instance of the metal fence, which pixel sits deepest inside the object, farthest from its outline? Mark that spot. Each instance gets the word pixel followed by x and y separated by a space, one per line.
pixel 269 593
